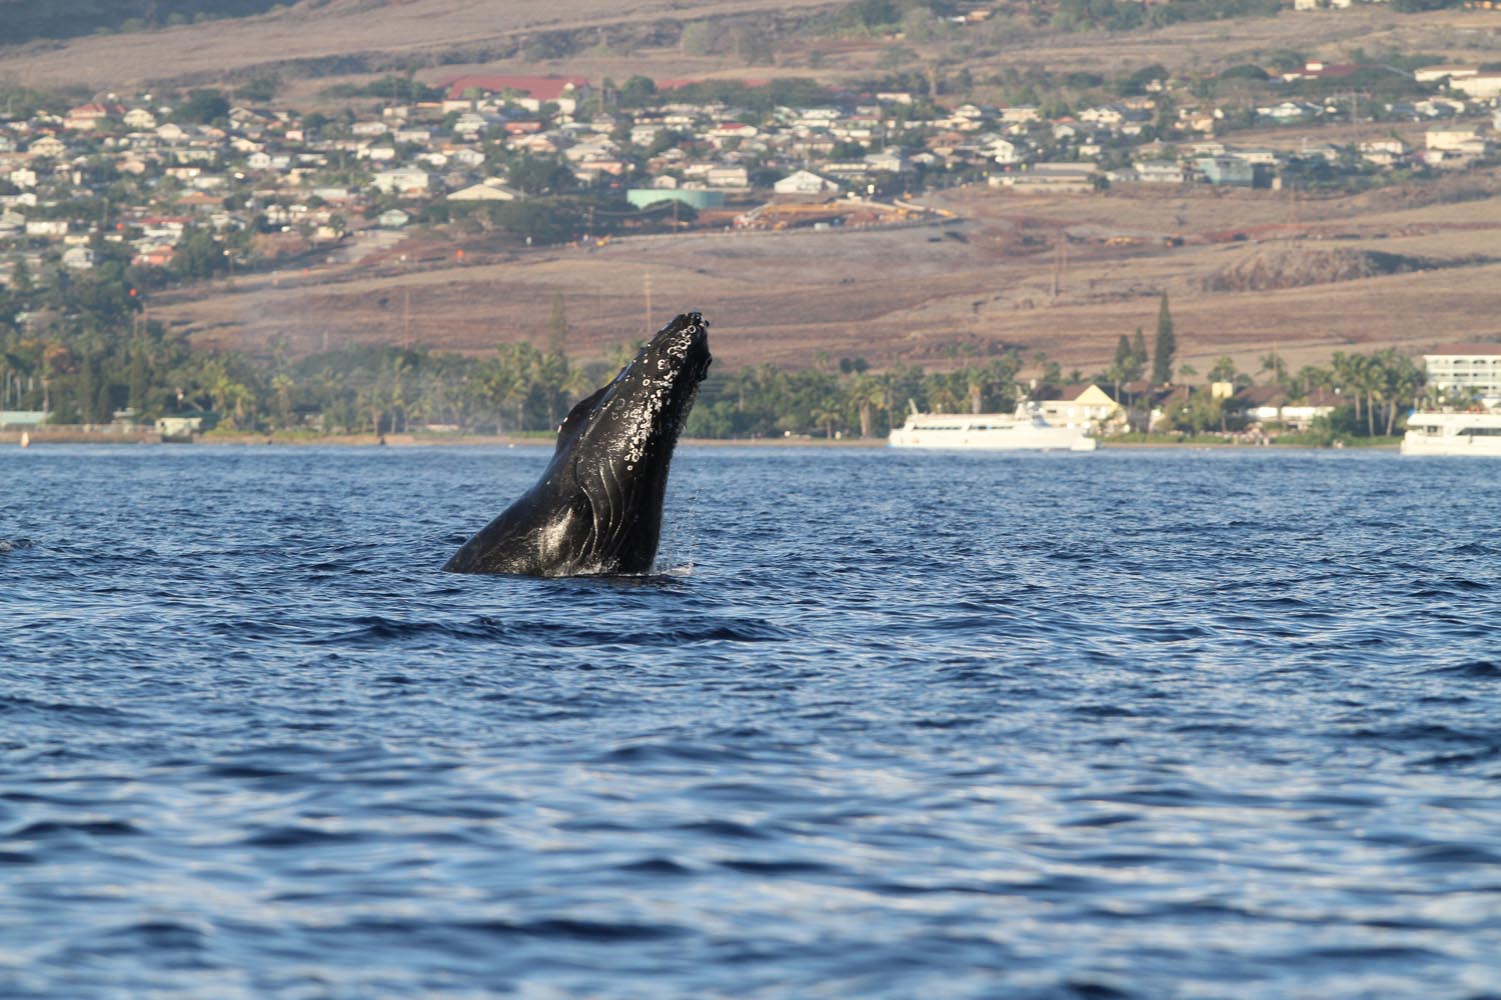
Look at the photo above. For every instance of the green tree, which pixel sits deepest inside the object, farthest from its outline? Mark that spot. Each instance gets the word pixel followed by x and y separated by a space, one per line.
pixel 637 91
pixel 1224 369
pixel 1164 347
pixel 557 325
pixel 203 106
pixel 1274 363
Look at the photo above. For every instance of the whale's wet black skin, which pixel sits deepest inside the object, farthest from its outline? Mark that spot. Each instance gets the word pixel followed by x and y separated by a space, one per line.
pixel 598 507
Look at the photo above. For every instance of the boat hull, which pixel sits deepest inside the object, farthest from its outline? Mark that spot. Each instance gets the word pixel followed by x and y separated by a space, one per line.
pixel 1466 434
pixel 988 432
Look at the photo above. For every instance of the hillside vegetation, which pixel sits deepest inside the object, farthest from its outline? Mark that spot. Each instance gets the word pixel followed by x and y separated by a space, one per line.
pixel 29 20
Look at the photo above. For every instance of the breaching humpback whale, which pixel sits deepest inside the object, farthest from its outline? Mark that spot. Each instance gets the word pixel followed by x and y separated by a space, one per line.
pixel 598 507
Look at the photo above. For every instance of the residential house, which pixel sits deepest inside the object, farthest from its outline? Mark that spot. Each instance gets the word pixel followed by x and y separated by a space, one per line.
pixel 1383 152
pixel 1290 111
pixel 154 255
pixel 1444 71
pixel 1050 178
pixel 1480 85
pixel 1007 151
pixel 402 180
pixel 645 134
pixel 196 155
pixel 1301 414
pixel 850 171
pixel 1451 137
pixel 1160 172
pixel 589 171
pixel 471 123
pixel 79 258
pixel 488 190
pixel 1194 119
pixel 1086 406
pixel 892 160
pixel 86 117
pixel 728 176
pixel 1231 171
pixel 467 157
pixel 1109 115
pixel 1326 151
pixel 1438 107
pixel 731 130
pixel 537 145
pixel 47 227
pixel 805 182
pixel 47 146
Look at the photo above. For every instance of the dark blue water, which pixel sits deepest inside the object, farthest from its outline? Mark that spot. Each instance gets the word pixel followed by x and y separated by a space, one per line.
pixel 1131 724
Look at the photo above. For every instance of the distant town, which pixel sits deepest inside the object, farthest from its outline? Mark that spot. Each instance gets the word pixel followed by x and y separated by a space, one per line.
pixel 105 200
pixel 140 175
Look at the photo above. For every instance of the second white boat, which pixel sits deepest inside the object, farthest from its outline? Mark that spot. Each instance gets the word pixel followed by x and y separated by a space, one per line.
pixel 1026 430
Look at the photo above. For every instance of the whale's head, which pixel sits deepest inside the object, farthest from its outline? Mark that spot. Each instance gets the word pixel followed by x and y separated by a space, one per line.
pixel 632 424
pixel 598 507
pixel 615 447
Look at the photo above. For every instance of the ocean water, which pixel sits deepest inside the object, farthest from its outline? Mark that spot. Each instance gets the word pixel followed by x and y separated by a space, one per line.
pixel 1130 724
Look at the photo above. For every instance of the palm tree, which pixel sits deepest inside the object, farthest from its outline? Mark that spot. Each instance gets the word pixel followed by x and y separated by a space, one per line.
pixel 510 378
pixel 867 392
pixel 282 384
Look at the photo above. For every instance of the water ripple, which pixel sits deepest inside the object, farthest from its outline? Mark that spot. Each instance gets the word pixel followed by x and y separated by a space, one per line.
pixel 1138 725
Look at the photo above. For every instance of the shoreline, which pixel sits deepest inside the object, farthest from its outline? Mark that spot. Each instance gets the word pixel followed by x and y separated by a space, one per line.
pixel 13 439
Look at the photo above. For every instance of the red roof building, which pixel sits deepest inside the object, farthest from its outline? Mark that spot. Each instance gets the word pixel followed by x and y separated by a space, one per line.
pixel 538 88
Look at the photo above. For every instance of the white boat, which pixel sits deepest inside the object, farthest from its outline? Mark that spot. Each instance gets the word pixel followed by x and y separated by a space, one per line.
pixel 1025 430
pixel 1453 434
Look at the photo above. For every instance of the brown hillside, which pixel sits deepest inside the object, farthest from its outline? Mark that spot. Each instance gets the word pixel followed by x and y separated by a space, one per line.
pixel 927 295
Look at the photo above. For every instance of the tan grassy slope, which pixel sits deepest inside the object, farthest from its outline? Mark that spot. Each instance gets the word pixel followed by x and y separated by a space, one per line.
pixel 306 31
pixel 925 296
pixel 437 37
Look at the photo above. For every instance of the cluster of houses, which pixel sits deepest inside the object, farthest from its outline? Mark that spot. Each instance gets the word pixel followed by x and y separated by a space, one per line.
pixel 270 170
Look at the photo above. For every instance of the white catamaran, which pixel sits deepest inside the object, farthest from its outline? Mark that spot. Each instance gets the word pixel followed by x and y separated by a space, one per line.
pixel 1025 430
pixel 1445 433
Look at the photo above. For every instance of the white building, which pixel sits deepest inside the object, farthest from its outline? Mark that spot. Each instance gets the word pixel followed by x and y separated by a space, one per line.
pixel 1480 85
pixel 1160 172
pixel 731 175
pixel 78 258
pixel 805 182
pixel 1466 367
pixel 402 180
pixel 1451 137
pixel 484 191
